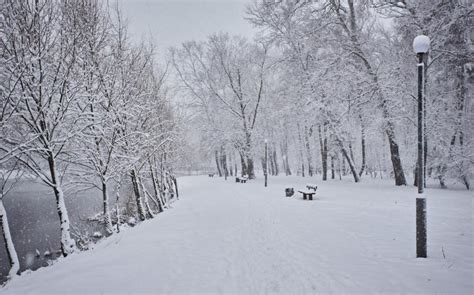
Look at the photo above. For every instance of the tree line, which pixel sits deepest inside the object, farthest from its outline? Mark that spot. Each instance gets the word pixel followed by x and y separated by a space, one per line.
pixel 332 85
pixel 83 106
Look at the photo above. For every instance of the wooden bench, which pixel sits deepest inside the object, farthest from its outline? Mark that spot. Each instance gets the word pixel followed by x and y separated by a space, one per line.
pixel 308 194
pixel 242 179
pixel 211 174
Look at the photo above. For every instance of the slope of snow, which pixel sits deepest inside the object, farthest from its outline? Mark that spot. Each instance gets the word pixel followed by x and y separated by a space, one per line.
pixel 224 237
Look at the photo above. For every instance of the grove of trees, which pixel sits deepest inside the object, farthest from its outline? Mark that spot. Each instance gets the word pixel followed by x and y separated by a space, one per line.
pixel 331 84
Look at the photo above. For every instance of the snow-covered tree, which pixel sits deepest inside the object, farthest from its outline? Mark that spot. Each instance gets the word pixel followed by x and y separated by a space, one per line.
pixel 226 77
pixel 40 42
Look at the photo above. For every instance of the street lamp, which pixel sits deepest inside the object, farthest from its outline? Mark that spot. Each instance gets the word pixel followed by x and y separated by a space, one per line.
pixel 421 46
pixel 265 172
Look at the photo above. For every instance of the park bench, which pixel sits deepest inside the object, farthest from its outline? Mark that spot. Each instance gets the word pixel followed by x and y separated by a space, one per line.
pixel 309 192
pixel 211 174
pixel 242 179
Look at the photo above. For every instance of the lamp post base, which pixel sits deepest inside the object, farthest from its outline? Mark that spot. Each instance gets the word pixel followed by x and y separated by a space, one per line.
pixel 421 228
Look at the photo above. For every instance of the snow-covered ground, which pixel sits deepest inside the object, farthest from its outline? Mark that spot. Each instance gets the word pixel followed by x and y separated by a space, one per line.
pixel 224 237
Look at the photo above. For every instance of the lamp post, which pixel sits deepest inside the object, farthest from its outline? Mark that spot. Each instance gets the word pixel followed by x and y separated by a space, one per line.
pixel 421 46
pixel 265 172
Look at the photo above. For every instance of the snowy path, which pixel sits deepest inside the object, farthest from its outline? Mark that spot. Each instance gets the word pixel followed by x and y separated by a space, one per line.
pixel 224 237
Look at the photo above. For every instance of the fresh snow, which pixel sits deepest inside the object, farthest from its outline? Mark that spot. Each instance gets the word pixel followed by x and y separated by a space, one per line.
pixel 97 234
pixel 227 237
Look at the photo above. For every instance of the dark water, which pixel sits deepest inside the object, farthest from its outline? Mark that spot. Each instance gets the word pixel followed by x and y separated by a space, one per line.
pixel 34 222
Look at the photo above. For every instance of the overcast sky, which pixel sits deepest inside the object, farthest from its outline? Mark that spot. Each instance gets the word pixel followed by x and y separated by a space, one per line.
pixel 171 22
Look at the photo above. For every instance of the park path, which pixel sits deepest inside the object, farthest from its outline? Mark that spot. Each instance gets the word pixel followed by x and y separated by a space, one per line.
pixel 225 237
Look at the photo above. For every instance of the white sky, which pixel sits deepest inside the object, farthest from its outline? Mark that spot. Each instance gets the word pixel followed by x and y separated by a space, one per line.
pixel 171 22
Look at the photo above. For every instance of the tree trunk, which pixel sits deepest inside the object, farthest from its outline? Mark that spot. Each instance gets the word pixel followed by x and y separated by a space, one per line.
pixel 117 203
pixel 248 155
pixel 308 151
pixel 250 168
pixel 351 153
pixel 138 199
pixel 219 171
pixel 243 164
pixel 68 245
pixel 148 211
pixel 269 163
pixel 170 185
pixel 275 161
pixel 155 187
pixel 395 156
pixel 162 190
pixel 231 160
pixel 324 150
pixel 344 171
pixel 225 171
pixel 175 182
pixel 362 168
pixel 339 168
pixel 441 172
pixel 105 201
pixel 284 152
pixel 162 184
pixel 332 168
pixel 272 162
pixel 350 163
pixel 300 149
pixel 10 247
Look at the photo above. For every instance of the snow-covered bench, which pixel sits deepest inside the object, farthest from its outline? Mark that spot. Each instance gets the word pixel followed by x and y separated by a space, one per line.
pixel 242 179
pixel 308 194
pixel 211 174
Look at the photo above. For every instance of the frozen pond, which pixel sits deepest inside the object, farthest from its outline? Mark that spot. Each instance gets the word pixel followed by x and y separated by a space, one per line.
pixel 34 222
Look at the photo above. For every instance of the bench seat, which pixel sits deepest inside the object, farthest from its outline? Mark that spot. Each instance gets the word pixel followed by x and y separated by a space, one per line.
pixel 242 179
pixel 307 194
